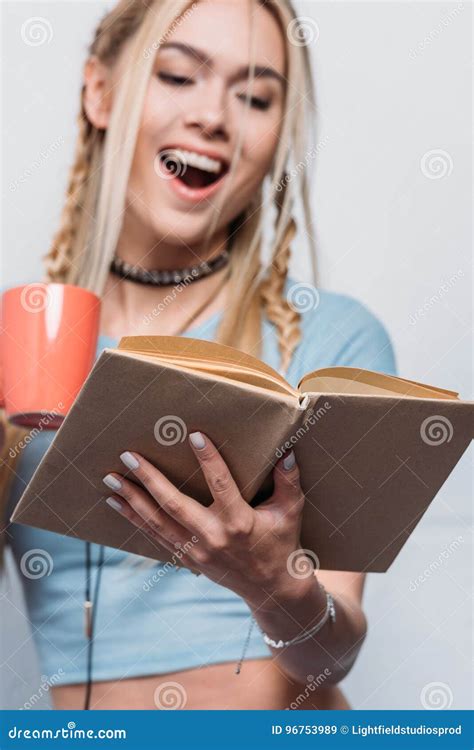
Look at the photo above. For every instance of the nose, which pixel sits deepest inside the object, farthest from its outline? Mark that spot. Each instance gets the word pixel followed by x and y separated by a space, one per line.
pixel 208 116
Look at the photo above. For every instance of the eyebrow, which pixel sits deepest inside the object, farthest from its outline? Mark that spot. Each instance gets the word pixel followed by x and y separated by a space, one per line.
pixel 205 59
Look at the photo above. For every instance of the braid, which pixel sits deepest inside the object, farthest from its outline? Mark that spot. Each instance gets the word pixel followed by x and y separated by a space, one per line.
pixel 278 310
pixel 58 261
pixel 116 27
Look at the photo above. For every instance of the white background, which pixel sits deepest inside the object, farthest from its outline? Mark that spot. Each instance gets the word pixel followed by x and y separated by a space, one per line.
pixel 394 230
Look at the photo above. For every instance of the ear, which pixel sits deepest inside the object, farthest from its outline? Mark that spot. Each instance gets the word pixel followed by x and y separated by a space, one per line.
pixel 97 92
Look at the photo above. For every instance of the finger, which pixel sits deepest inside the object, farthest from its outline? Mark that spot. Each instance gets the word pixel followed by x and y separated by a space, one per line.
pixel 288 497
pixel 184 509
pixel 118 503
pixel 226 494
pixel 146 509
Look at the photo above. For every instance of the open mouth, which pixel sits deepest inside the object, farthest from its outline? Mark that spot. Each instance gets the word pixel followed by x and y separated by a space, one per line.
pixel 194 170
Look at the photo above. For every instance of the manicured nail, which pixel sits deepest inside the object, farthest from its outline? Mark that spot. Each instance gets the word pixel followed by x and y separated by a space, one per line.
pixel 197 440
pixel 129 460
pixel 289 461
pixel 114 503
pixel 112 482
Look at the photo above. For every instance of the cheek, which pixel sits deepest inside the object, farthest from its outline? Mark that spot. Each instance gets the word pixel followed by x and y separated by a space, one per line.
pixel 155 121
pixel 158 115
pixel 262 134
pixel 154 118
pixel 260 146
pixel 260 141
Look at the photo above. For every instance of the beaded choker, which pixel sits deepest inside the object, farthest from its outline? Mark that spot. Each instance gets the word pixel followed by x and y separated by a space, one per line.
pixel 140 275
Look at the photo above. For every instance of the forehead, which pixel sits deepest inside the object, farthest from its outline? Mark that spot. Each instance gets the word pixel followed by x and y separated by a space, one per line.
pixel 224 28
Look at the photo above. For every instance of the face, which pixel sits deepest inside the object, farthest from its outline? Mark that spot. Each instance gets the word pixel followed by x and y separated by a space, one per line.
pixel 195 111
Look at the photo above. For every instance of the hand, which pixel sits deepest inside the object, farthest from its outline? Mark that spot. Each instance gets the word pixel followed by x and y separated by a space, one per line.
pixel 242 548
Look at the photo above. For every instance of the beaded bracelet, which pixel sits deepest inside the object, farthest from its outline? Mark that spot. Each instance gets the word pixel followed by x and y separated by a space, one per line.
pixel 307 634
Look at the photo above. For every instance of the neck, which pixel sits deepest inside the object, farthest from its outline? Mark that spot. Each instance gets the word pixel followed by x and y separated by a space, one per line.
pixel 127 305
pixel 133 309
pixel 142 248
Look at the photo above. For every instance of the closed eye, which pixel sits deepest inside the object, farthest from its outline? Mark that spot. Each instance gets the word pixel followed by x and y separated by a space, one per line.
pixel 256 102
pixel 175 80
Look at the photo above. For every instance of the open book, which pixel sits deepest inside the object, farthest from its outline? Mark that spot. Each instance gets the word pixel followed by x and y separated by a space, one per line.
pixel 373 449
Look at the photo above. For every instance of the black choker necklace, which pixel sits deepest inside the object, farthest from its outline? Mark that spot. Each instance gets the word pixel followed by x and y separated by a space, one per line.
pixel 166 278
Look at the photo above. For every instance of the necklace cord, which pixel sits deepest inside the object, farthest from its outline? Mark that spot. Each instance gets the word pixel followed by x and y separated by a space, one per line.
pixel 91 613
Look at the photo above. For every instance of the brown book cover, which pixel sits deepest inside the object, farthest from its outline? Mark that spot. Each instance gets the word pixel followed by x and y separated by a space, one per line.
pixel 373 450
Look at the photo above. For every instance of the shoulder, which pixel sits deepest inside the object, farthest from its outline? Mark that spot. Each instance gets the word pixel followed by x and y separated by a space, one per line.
pixel 338 329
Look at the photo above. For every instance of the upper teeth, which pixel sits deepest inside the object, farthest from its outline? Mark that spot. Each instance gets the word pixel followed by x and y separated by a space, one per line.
pixel 192 159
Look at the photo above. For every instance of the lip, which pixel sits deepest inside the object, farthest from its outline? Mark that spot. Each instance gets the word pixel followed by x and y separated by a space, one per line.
pixel 195 195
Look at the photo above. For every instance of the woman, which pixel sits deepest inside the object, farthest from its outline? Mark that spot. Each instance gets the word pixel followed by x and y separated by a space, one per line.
pixel 191 117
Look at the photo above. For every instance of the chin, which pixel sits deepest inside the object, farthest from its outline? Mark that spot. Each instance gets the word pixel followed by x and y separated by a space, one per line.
pixel 183 230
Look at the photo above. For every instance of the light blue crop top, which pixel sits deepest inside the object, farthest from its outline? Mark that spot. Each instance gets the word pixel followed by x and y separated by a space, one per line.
pixel 151 620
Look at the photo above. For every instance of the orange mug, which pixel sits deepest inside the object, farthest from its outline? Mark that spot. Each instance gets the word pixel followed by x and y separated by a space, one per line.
pixel 48 343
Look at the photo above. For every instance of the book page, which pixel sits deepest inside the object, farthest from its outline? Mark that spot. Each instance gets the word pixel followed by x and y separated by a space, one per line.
pixel 195 350
pixel 219 370
pixel 366 382
pixel 208 356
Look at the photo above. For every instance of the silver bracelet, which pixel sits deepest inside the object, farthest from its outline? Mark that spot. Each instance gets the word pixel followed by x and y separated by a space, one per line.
pixel 307 634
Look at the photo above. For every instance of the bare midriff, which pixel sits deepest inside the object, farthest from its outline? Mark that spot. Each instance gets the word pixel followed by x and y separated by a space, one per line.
pixel 261 685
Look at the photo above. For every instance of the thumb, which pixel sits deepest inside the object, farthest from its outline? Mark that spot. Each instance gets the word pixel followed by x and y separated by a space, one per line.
pixel 288 496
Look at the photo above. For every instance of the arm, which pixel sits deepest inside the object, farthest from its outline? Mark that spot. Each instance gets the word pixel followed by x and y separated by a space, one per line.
pixel 332 650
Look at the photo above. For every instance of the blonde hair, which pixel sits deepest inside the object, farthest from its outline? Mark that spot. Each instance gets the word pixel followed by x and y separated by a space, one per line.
pixel 88 233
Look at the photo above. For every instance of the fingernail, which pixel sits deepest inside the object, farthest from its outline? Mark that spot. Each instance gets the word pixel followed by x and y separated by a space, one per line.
pixel 112 482
pixel 289 461
pixel 114 503
pixel 129 460
pixel 197 439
